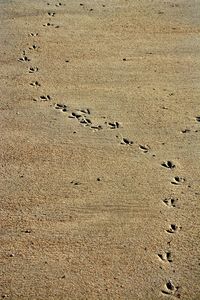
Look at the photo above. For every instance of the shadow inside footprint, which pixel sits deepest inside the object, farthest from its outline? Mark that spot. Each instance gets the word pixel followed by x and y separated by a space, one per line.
pixel 173 228
pixel 35 83
pixel 96 127
pixel 45 98
pixel 178 180
pixel 61 107
pixel 144 148
pixel 33 47
pixel 185 130
pixel 33 34
pixel 23 59
pixel 33 69
pixel 171 202
pixel 113 125
pixel 170 288
pixel 166 256
pixel 168 164
pixel 58 4
pixel 50 24
pixel 198 119
pixel 51 14
pixel 126 141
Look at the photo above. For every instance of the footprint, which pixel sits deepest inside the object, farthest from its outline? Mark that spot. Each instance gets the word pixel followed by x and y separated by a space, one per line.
pixel 35 83
pixel 173 228
pixel 113 125
pixel 126 141
pixel 33 34
pixel 185 130
pixel 34 47
pixel 50 24
pixel 62 107
pixel 170 288
pixel 76 114
pixel 168 164
pixel 166 256
pixel 171 202
pixel 58 4
pixel 144 148
pixel 198 119
pixel 75 182
pixel 96 127
pixel 80 113
pixel 51 14
pixel 178 180
pixel 85 121
pixel 33 69
pixel 45 98
pixel 85 111
pixel 24 58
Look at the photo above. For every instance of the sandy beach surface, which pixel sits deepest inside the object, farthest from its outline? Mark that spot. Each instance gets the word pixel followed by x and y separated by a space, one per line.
pixel 100 149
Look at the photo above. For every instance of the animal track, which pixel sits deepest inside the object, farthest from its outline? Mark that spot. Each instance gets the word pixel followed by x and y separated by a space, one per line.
pixel 166 256
pixel 62 107
pixel 126 141
pixel 33 69
pixel 33 34
pixel 113 125
pixel 178 180
pixel 185 130
pixel 170 288
pixel 35 83
pixel 85 111
pixel 34 47
pixel 168 164
pixel 45 98
pixel 51 24
pixel 48 24
pixel 144 148
pixel 198 119
pixel 51 14
pixel 24 58
pixel 96 127
pixel 171 202
pixel 75 182
pixel 173 228
pixel 82 117
pixel 59 4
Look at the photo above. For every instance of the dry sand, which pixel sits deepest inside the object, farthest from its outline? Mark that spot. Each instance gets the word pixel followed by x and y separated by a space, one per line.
pixel 100 149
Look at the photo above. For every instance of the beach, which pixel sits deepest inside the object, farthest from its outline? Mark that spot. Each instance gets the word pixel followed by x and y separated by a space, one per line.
pixel 100 139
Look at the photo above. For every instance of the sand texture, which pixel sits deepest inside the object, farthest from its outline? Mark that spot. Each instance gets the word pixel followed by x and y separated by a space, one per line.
pixel 100 149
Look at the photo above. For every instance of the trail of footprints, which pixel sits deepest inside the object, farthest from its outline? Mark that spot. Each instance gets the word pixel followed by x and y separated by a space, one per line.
pixel 83 116
pixel 166 257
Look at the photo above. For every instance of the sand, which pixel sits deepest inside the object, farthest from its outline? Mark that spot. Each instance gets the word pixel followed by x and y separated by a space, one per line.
pixel 100 135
